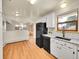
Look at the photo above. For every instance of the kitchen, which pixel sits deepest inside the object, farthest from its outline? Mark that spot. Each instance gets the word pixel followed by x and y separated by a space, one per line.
pixel 63 43
pixel 53 26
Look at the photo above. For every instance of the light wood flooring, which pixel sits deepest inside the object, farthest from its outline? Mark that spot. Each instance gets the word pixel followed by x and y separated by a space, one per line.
pixel 25 50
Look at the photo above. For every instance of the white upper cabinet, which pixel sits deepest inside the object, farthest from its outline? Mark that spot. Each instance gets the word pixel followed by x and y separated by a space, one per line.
pixel 51 20
pixel 43 19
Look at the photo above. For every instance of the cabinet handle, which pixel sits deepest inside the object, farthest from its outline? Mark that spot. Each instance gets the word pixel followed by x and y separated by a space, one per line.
pixel 78 50
pixel 73 52
pixel 69 47
pixel 59 47
pixel 62 44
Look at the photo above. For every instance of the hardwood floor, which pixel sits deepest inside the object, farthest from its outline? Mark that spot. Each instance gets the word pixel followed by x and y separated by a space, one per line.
pixel 25 50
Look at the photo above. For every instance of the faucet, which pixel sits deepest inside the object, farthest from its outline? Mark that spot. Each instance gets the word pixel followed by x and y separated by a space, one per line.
pixel 63 31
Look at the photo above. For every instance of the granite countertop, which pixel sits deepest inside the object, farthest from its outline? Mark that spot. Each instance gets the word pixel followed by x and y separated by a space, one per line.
pixel 75 41
pixel 72 41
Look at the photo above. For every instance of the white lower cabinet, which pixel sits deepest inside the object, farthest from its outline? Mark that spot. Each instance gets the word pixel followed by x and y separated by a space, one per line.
pixel 67 53
pixel 52 47
pixel 63 50
pixel 59 51
pixel 55 48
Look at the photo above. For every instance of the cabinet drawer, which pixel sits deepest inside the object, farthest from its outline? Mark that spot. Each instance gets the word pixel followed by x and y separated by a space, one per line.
pixel 71 46
pixel 60 42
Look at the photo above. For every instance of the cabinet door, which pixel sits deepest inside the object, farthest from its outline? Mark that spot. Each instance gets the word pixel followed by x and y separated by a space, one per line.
pixel 53 46
pixel 59 51
pixel 56 49
pixel 43 19
pixel 68 52
pixel 63 50
pixel 51 20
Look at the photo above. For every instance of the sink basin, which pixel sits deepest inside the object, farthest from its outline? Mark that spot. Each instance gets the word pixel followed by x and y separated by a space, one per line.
pixel 63 38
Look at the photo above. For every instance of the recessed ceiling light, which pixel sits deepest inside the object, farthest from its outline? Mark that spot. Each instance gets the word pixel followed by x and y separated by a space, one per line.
pixel 63 5
pixel 17 25
pixel 17 14
pixel 32 1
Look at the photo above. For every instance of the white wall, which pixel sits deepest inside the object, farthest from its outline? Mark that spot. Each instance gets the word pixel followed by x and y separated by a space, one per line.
pixel 73 35
pixel 15 36
pixel 73 6
pixel 34 31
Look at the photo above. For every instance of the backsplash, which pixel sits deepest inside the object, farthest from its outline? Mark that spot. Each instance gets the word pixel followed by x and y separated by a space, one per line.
pixel 72 35
pixel 50 30
pixel 67 35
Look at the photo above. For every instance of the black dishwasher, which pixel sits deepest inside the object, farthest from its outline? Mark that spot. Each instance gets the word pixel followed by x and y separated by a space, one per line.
pixel 46 43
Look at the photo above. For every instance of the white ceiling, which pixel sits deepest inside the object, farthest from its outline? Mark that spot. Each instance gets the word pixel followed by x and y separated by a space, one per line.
pixel 27 11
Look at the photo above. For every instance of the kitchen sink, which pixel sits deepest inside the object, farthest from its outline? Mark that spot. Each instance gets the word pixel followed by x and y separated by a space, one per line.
pixel 62 38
